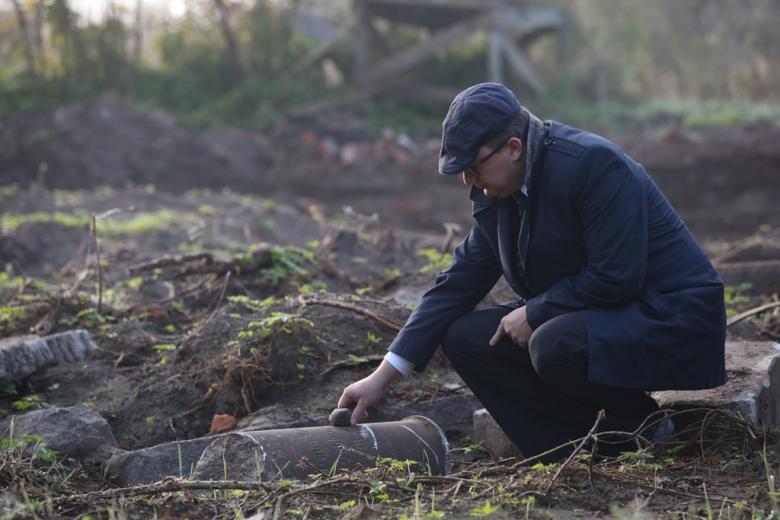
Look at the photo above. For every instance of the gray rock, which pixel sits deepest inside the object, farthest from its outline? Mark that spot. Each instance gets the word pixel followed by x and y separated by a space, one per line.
pixel 74 432
pixel 147 465
pixel 489 434
pixel 21 356
pixel 753 388
pixel 340 417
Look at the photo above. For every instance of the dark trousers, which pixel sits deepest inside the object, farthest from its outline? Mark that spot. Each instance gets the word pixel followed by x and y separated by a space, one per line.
pixel 540 395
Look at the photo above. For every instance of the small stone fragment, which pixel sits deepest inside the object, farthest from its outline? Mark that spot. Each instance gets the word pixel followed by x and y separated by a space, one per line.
pixel 222 423
pixel 490 435
pixel 340 417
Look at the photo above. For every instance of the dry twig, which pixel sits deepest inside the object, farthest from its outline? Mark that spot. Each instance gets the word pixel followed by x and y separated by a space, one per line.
pixel 751 312
pixel 590 436
pixel 388 322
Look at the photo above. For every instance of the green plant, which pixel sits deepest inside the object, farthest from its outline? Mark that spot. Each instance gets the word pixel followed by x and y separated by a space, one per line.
pixel 733 296
pixel 29 402
pixel 10 316
pixel 437 261
pixel 277 322
pixel 286 262
pixel 90 318
pixel 164 350
pixel 485 509
pixel 251 304
pixel 32 445
pixel 9 282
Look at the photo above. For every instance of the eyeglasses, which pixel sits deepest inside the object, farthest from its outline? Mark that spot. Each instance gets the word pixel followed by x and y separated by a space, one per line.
pixel 474 169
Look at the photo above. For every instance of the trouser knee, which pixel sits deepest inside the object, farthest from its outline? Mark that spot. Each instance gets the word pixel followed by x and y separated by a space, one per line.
pixel 559 350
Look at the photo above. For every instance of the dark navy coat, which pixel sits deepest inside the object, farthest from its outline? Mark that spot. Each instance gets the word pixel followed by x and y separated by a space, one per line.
pixel 598 236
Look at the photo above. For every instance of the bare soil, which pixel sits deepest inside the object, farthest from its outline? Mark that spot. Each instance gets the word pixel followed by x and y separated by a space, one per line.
pixel 256 277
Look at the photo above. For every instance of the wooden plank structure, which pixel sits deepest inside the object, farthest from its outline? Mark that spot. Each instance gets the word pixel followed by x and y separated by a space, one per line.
pixel 511 26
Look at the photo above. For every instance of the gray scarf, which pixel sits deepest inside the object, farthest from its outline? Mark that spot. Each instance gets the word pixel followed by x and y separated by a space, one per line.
pixel 533 145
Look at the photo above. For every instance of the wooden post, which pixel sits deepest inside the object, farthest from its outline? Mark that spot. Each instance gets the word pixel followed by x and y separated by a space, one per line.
pixel 362 38
pixel 495 62
pixel 443 39
pixel 520 64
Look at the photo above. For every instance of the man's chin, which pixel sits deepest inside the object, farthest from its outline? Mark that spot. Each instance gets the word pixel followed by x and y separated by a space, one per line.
pixel 491 193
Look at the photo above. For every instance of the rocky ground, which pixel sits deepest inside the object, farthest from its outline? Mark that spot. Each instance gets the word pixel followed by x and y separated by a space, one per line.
pixel 244 280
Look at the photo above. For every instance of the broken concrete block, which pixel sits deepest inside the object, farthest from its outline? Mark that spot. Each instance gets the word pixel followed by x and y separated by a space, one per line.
pixel 75 432
pixel 489 434
pixel 752 390
pixel 147 465
pixel 21 356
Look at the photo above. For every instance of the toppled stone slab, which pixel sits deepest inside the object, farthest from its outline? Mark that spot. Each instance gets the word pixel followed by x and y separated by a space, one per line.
pixel 752 390
pixel 74 432
pixel 489 434
pixel 302 452
pixel 21 356
pixel 147 465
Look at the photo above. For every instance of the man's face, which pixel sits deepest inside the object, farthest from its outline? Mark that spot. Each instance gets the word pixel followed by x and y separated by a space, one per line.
pixel 498 172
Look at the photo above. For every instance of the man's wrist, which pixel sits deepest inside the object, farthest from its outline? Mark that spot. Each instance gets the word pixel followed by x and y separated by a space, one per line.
pixel 402 365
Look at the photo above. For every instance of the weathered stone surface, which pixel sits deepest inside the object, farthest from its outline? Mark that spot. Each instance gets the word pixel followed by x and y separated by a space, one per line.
pixel 75 432
pixel 753 388
pixel 301 452
pixel 144 466
pixel 21 356
pixel 490 435
pixel 450 413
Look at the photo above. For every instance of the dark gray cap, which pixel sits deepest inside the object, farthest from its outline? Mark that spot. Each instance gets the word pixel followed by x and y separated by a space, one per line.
pixel 475 115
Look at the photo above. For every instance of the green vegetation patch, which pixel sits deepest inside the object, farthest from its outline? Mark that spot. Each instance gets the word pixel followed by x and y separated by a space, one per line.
pixel 437 261
pixel 110 227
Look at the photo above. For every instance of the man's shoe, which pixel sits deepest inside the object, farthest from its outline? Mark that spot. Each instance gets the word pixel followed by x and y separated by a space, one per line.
pixel 662 431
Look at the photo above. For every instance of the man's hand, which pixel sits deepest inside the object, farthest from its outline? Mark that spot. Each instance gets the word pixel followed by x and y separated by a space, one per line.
pixel 362 394
pixel 515 325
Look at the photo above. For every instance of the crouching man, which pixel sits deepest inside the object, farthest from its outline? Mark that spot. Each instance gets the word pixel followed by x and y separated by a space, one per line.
pixel 616 297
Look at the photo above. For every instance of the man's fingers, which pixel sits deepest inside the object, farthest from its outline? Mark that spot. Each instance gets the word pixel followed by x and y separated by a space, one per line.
pixel 346 400
pixel 359 412
pixel 500 333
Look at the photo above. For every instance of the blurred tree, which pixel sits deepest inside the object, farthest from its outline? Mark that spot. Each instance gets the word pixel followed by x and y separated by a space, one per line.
pixel 73 56
pixel 235 70
pixel 24 32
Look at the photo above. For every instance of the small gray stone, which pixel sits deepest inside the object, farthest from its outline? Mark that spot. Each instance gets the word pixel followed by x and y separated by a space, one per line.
pixel 74 432
pixel 489 434
pixel 340 417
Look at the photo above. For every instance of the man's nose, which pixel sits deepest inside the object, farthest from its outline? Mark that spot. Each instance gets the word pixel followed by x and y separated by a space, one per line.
pixel 468 179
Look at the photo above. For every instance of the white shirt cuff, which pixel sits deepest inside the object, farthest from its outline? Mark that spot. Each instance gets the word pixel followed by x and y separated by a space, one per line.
pixel 402 365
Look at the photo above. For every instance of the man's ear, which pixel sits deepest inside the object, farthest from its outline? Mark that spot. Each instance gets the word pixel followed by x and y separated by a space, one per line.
pixel 516 148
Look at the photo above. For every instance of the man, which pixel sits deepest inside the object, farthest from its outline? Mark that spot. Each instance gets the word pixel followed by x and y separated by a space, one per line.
pixel 617 297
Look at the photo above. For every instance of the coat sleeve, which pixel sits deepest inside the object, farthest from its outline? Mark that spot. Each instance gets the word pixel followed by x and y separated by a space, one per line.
pixel 612 207
pixel 474 271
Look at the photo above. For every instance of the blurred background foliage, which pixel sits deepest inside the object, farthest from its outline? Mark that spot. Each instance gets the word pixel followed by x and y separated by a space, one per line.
pixel 248 63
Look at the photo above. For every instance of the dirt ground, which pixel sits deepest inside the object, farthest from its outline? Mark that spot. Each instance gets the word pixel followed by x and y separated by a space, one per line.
pixel 256 277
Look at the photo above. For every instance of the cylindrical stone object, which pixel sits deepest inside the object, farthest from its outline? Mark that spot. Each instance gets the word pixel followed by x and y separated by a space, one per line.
pixel 296 453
